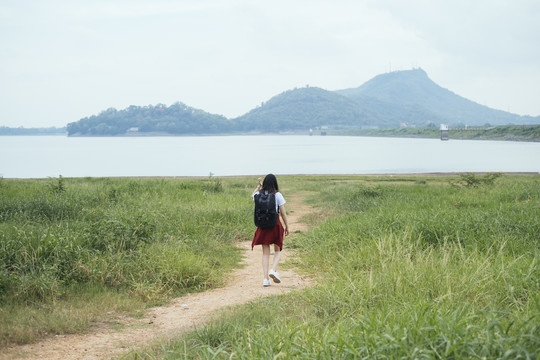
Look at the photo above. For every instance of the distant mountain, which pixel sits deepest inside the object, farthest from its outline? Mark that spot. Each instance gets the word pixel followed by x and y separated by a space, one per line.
pixel 311 107
pixel 413 88
pixel 386 101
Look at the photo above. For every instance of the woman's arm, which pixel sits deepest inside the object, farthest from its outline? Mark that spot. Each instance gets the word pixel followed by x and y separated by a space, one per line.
pixel 257 189
pixel 284 217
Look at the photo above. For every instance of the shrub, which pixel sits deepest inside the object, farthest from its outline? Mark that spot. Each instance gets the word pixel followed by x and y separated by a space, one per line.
pixel 472 180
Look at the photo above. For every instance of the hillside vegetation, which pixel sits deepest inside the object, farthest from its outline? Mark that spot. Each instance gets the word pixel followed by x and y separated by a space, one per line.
pixel 304 108
pixel 160 119
pixel 386 101
pixel 414 88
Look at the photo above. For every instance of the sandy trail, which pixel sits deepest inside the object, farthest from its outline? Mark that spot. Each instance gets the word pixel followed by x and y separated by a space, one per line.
pixel 180 314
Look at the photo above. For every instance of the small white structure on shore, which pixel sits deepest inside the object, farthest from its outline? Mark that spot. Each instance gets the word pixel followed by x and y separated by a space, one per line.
pixel 444 132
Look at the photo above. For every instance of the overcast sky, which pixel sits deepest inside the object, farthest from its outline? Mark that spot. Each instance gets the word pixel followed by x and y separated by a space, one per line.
pixel 62 60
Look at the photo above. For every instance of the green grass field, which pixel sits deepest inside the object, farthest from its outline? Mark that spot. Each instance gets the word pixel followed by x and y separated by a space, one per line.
pixel 406 266
pixel 506 132
pixel 121 244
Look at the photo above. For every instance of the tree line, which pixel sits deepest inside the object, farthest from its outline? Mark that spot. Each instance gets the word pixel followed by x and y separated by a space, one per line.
pixel 5 130
pixel 175 119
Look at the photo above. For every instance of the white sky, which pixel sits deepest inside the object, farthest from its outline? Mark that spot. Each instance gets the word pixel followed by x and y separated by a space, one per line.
pixel 62 60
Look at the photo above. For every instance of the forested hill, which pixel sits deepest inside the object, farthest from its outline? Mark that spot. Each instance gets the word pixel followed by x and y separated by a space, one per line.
pixel 305 108
pixel 175 119
pixel 386 101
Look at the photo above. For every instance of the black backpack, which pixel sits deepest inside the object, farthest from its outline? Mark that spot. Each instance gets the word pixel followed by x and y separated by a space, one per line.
pixel 266 215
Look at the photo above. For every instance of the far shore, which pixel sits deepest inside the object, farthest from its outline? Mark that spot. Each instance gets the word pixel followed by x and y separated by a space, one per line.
pixel 255 176
pixel 522 133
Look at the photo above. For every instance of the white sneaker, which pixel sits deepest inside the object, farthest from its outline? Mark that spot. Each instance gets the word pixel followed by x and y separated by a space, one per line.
pixel 275 276
pixel 266 282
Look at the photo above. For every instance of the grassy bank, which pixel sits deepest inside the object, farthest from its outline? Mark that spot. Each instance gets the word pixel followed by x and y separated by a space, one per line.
pixel 407 267
pixel 510 132
pixel 75 251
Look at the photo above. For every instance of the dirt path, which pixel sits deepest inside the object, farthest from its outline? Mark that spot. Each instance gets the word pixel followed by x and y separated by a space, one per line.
pixel 181 314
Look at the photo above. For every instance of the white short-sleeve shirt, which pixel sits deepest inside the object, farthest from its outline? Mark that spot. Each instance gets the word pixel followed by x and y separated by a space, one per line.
pixel 280 200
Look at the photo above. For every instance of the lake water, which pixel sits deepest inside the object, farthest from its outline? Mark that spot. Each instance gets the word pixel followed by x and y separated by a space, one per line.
pixel 51 156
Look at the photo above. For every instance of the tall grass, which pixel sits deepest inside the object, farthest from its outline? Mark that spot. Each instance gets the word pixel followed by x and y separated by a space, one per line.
pixel 407 268
pixel 149 239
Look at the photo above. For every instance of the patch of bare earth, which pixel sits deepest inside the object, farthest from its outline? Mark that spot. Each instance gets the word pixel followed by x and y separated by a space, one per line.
pixel 181 314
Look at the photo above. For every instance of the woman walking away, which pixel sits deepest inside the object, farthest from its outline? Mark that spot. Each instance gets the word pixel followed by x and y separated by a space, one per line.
pixel 267 233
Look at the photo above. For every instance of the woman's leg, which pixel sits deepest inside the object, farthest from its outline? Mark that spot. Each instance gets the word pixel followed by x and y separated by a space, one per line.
pixel 277 255
pixel 265 260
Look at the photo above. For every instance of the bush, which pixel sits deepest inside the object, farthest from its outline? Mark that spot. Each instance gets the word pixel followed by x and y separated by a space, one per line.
pixel 472 180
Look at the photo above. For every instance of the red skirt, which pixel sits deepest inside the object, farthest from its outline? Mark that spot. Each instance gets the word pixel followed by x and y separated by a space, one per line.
pixel 269 236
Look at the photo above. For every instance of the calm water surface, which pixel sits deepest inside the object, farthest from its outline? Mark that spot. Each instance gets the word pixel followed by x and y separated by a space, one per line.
pixel 51 156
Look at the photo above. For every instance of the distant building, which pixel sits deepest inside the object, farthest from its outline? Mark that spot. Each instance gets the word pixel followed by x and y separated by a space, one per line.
pixel 444 132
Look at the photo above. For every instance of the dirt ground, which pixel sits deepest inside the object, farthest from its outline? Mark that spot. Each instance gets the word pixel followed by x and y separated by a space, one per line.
pixel 180 314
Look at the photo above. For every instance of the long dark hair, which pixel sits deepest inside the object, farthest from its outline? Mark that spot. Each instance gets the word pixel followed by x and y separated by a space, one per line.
pixel 270 184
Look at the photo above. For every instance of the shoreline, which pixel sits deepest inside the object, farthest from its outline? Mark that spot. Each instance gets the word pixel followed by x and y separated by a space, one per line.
pixel 154 134
pixel 449 139
pixel 195 177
